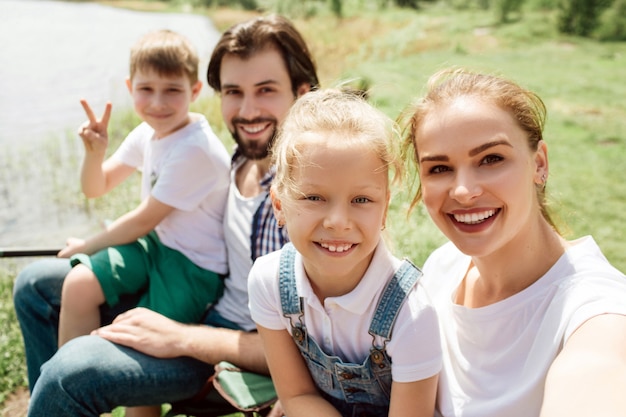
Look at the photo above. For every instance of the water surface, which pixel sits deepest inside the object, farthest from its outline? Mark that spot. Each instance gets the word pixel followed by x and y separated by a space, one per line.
pixel 52 54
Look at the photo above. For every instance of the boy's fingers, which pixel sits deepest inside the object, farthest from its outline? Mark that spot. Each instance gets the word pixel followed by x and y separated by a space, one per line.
pixel 88 111
pixel 107 114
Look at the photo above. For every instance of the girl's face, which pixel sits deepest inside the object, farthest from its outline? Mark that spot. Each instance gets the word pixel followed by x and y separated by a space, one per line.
pixel 478 175
pixel 336 218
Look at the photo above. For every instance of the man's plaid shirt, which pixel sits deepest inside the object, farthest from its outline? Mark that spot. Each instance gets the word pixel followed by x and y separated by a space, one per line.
pixel 266 236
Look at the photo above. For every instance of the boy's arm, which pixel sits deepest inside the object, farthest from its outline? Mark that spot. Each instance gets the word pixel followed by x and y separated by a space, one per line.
pixel 126 229
pixel 97 175
pixel 98 178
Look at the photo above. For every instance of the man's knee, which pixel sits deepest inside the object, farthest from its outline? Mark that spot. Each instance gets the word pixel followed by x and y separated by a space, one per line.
pixel 37 288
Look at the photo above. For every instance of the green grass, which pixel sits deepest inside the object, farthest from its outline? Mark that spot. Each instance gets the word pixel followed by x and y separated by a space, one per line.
pixel 581 82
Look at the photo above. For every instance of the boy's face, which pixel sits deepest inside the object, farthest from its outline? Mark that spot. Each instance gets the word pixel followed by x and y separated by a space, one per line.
pixel 162 101
pixel 256 96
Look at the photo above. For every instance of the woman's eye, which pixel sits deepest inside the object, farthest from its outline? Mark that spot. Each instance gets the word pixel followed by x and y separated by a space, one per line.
pixel 491 159
pixel 361 200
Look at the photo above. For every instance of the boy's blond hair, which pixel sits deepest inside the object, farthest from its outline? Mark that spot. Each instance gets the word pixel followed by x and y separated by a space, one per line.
pixel 166 52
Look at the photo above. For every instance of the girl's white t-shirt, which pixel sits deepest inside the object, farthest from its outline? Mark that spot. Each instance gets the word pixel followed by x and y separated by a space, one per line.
pixel 340 325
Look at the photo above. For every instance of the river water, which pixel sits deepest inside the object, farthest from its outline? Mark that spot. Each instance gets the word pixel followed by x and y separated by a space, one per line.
pixel 52 54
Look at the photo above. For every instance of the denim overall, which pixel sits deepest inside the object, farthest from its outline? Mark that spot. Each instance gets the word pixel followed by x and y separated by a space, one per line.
pixel 356 390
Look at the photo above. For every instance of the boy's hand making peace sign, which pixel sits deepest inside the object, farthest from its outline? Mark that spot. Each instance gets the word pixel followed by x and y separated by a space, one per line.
pixel 94 131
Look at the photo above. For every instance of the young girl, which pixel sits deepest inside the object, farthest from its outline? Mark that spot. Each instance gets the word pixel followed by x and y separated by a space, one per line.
pixel 347 328
pixel 532 324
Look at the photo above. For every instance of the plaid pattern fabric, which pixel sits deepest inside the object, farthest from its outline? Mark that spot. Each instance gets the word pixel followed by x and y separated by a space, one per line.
pixel 266 236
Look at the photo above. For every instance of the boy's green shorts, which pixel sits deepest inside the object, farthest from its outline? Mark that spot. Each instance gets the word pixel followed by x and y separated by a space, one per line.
pixel 169 282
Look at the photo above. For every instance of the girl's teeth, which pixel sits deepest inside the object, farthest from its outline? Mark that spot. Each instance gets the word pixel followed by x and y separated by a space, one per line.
pixel 474 218
pixel 336 248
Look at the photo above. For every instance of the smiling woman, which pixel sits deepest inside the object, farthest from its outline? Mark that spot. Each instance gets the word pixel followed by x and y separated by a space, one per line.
pixel 516 301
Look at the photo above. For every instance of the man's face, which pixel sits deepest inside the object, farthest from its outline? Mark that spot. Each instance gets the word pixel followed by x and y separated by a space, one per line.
pixel 256 96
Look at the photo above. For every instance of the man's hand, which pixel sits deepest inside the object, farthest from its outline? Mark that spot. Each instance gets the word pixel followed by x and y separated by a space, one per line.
pixel 146 331
pixel 154 334
pixel 94 131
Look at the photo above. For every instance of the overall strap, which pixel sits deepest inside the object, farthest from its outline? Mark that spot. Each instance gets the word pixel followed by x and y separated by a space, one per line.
pixel 289 299
pixel 392 299
pixel 290 303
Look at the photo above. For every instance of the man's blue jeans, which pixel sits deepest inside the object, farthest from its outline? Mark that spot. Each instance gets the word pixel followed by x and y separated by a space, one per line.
pixel 89 376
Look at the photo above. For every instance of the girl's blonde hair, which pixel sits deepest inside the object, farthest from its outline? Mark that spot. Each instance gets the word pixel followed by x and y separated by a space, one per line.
pixel 339 113
pixel 445 86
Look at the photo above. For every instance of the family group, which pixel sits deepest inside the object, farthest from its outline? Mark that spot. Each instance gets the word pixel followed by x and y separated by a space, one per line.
pixel 275 257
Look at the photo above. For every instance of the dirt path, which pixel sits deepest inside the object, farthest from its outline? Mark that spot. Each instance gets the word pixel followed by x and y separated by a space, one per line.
pixel 16 405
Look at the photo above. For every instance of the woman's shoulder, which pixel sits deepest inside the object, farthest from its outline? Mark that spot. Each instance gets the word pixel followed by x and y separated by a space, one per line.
pixel 584 257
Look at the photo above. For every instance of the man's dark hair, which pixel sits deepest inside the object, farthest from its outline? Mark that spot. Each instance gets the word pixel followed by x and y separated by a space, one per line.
pixel 247 38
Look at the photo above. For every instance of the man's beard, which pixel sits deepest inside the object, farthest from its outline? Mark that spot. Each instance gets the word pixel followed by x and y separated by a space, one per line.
pixel 254 150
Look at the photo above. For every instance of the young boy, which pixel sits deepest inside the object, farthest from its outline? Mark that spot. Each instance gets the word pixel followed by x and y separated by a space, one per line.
pixel 171 247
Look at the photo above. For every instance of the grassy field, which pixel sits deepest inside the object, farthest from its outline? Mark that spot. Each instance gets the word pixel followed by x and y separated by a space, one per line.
pixel 582 82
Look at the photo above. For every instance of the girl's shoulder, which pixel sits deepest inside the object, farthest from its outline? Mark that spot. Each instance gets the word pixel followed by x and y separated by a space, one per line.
pixel 270 261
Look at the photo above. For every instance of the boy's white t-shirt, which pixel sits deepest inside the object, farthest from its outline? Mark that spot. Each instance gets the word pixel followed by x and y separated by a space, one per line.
pixel 340 325
pixel 188 170
pixel 496 357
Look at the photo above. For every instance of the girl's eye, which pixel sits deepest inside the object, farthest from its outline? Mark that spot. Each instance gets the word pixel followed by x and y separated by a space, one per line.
pixel 438 169
pixel 313 198
pixel 491 159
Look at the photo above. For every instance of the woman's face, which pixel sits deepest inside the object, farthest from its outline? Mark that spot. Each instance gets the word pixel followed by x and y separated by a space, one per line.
pixel 478 175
